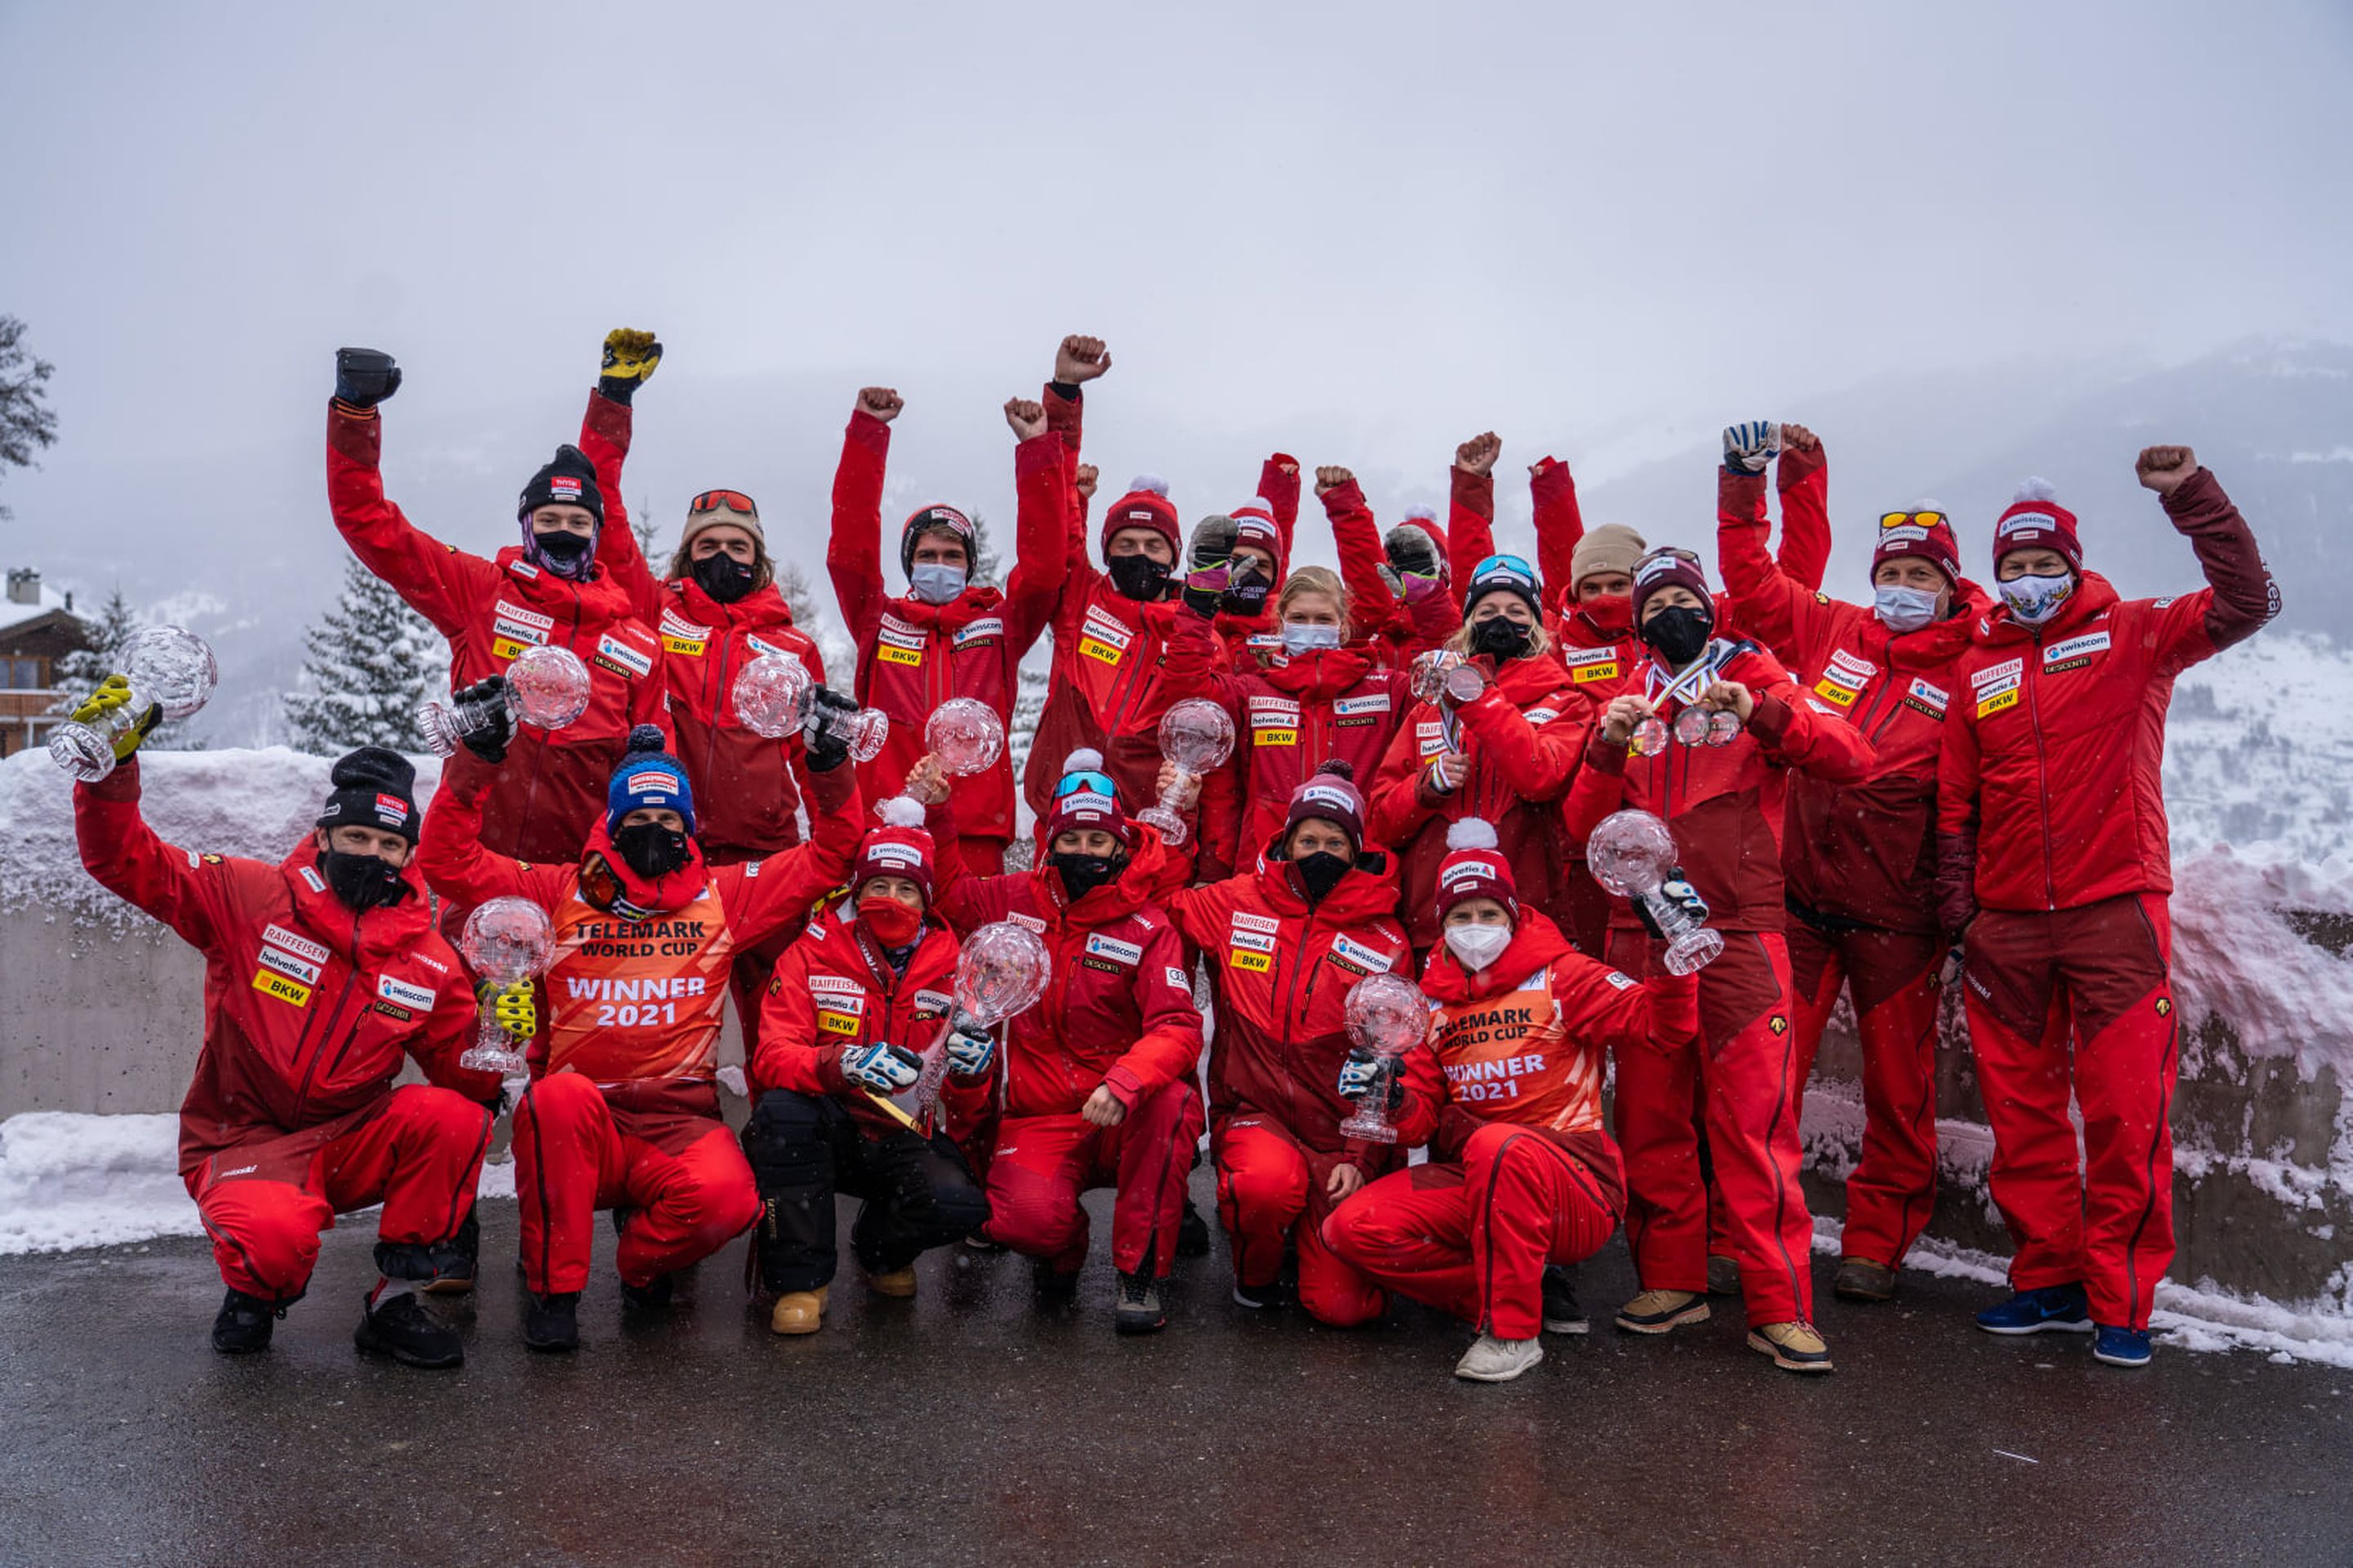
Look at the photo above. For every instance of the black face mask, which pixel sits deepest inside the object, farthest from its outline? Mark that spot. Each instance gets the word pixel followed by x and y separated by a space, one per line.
pixel 1082 873
pixel 1499 638
pixel 1679 633
pixel 724 577
pixel 363 882
pixel 1139 577
pixel 564 549
pixel 652 850
pixel 1246 594
pixel 1319 874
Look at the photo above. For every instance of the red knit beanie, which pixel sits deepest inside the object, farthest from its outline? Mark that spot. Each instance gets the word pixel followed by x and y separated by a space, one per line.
pixel 900 847
pixel 1474 868
pixel 1331 796
pixel 1926 532
pixel 2036 521
pixel 1667 568
pixel 1084 798
pixel 1145 505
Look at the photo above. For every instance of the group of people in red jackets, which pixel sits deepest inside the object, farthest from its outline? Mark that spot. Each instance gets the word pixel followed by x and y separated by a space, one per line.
pixel 1863 798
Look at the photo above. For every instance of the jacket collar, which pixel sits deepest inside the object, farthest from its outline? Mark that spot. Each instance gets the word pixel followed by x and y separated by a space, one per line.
pixel 2093 597
pixel 372 935
pixel 759 610
pixel 606 883
pixel 1536 944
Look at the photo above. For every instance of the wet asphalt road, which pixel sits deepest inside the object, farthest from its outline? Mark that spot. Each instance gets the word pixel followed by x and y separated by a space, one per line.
pixel 971 1427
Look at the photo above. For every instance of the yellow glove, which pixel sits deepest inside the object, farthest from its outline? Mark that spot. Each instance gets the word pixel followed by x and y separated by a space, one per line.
pixel 630 356
pixel 97 711
pixel 514 1009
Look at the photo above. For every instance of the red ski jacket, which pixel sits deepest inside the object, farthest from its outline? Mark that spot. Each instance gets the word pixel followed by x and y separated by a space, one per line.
pixel 2049 788
pixel 1291 716
pixel 747 787
pixel 491 609
pixel 1390 630
pixel 1280 490
pixel 1523 1041
pixel 834 991
pixel 1724 804
pixel 639 976
pixel 309 1007
pixel 913 656
pixel 1281 969
pixel 1861 853
pixel 1522 738
pixel 1118 1011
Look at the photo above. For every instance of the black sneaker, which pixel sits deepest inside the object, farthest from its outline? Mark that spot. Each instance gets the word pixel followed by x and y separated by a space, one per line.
pixel 1562 1315
pixel 1140 1311
pixel 1261 1298
pixel 1192 1233
pixel 243 1325
pixel 1051 1284
pixel 650 1298
pixel 553 1322
pixel 402 1329
pixel 455 1260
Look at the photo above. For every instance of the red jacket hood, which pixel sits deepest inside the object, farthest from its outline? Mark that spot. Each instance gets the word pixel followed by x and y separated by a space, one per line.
pixel 1367 894
pixel 388 928
pixel 600 859
pixel 602 596
pixel 2093 597
pixel 1940 642
pixel 1319 676
pixel 961 611
pixel 841 944
pixel 761 610
pixel 1536 944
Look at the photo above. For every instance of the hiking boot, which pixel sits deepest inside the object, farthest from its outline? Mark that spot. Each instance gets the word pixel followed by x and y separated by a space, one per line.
pixel 1140 1311
pixel 402 1329
pixel 244 1324
pixel 455 1260
pixel 1658 1312
pixel 1562 1315
pixel 551 1323
pixel 1723 1276
pixel 1794 1347
pixel 2047 1310
pixel 898 1284
pixel 799 1311
pixel 2121 1347
pixel 1860 1280
pixel 1192 1233
pixel 653 1295
pixel 1490 1359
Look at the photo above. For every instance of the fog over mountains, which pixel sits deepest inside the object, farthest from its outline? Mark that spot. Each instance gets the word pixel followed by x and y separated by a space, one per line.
pixel 239 545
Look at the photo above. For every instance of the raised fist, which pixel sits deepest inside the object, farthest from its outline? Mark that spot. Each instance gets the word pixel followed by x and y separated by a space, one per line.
pixel 1080 359
pixel 1026 417
pixel 1478 454
pixel 364 377
pixel 1798 436
pixel 1330 477
pixel 630 357
pixel 1083 480
pixel 1748 446
pixel 882 403
pixel 2166 469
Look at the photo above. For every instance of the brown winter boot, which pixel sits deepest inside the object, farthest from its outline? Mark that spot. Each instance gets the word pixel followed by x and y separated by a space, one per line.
pixel 1659 1311
pixel 1860 1280
pixel 800 1311
pixel 1794 1347
pixel 898 1284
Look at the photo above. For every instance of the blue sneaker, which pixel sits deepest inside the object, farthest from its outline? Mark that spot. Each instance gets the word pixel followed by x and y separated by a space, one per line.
pixel 2051 1309
pixel 2121 1347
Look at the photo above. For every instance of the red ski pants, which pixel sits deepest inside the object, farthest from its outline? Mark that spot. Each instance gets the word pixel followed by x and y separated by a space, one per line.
pixel 421 1157
pixel 2097 976
pixel 1894 979
pixel 1473 1239
pixel 1042 1163
pixel 692 1194
pixel 1745 1069
pixel 1270 1187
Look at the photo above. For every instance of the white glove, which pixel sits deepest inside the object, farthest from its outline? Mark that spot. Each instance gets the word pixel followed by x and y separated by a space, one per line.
pixel 1363 1075
pixel 1748 448
pixel 884 1068
pixel 971 1048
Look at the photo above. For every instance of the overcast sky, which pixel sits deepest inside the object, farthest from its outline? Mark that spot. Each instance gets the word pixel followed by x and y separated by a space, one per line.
pixel 1432 216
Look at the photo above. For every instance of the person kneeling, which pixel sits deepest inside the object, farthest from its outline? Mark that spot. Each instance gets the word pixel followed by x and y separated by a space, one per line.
pixel 875 967
pixel 1508 1092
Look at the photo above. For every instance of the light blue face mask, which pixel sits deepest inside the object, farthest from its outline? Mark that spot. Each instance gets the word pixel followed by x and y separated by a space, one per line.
pixel 1902 609
pixel 2034 600
pixel 934 583
pixel 1299 637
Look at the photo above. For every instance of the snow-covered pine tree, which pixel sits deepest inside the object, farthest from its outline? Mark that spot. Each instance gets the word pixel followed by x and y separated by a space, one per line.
pixel 985 563
pixel 80 672
pixel 369 661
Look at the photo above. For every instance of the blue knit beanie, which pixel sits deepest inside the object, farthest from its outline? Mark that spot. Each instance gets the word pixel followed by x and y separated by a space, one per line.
pixel 649 777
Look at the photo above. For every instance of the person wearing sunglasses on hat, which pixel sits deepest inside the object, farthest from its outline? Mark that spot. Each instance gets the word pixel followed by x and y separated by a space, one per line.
pixel 623 1110
pixel 1724 803
pixel 546 590
pixel 950 635
pixel 1504 755
pixel 2053 862
pixel 1097 1083
pixel 1861 858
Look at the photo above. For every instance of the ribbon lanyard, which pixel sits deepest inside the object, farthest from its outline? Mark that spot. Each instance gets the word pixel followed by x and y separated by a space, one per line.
pixel 1687 682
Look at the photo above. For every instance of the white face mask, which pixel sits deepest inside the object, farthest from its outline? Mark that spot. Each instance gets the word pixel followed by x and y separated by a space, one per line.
pixel 935 584
pixel 2036 599
pixel 1902 609
pixel 1298 637
pixel 1478 946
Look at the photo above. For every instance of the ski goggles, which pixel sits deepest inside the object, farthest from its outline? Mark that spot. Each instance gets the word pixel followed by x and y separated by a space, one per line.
pixel 721 501
pixel 1086 781
pixel 1914 519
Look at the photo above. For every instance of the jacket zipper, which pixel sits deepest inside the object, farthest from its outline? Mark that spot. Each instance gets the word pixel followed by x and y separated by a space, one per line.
pixel 310 1073
pixel 2042 769
pixel 718 700
pixel 539 753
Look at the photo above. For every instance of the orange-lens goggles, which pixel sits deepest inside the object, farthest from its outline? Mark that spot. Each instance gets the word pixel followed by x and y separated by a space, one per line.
pixel 722 501
pixel 1898 519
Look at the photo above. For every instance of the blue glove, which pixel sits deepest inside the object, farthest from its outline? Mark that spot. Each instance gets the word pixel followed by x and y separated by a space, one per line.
pixel 883 1067
pixel 1748 446
pixel 971 1048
